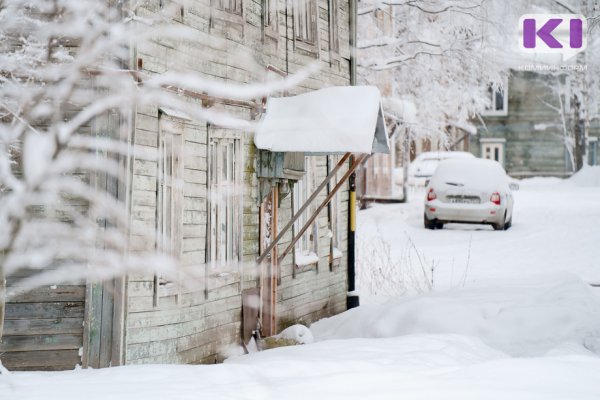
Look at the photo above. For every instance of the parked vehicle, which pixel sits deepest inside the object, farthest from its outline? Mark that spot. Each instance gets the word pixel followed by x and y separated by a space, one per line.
pixel 475 191
pixel 423 166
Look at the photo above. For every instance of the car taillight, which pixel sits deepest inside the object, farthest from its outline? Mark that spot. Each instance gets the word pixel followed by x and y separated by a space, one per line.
pixel 495 198
pixel 431 195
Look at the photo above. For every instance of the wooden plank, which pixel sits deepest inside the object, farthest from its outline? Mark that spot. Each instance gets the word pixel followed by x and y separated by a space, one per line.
pixel 147 319
pixel 106 319
pixel 44 310
pixel 49 294
pixel 17 327
pixel 91 334
pixel 41 360
pixel 41 342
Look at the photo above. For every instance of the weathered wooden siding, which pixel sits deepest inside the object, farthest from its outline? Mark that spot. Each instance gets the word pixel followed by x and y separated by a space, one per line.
pixel 202 322
pixel 534 140
pixel 43 328
pixel 309 293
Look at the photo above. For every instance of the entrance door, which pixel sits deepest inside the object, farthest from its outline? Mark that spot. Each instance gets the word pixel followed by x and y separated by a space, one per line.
pixel 493 151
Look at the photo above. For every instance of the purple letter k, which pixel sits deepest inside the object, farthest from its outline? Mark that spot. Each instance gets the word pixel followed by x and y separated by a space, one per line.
pixel 545 33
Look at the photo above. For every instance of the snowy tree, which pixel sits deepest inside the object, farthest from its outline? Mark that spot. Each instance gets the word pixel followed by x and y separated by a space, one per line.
pixel 559 101
pixel 584 83
pixel 67 95
pixel 439 55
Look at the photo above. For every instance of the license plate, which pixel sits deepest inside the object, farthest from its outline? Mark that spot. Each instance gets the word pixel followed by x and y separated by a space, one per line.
pixel 464 201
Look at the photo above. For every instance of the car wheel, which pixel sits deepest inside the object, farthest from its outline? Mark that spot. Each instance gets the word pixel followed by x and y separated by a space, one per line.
pixel 429 224
pixel 501 225
pixel 508 224
pixel 439 225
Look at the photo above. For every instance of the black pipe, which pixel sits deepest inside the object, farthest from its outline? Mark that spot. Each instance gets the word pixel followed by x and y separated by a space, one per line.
pixel 352 298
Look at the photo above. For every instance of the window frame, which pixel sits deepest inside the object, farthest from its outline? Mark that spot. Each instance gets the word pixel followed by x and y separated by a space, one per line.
pixel 334 34
pixel 308 45
pixel 218 253
pixel 492 111
pixel 270 19
pixel 307 245
pixel 170 195
pixel 238 8
pixel 227 16
pixel 334 216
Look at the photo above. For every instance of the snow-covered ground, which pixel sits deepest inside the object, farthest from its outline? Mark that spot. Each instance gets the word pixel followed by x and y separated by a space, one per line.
pixel 556 229
pixel 507 314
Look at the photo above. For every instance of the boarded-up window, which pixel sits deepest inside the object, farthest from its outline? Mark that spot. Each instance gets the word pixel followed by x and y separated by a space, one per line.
pixel 305 251
pixel 225 197
pixel 169 195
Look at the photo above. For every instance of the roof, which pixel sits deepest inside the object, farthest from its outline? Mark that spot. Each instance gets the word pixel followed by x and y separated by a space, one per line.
pixel 333 120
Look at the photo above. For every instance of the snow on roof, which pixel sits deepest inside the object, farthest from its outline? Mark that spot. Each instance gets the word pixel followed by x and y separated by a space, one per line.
pixel 337 119
pixel 175 113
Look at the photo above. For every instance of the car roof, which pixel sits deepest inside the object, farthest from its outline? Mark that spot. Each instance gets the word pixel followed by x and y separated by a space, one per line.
pixel 476 170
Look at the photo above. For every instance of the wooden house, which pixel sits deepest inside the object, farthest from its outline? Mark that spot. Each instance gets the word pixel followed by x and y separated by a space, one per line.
pixel 146 319
pixel 523 130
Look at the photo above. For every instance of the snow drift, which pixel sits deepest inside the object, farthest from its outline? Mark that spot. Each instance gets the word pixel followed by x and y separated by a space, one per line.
pixel 519 320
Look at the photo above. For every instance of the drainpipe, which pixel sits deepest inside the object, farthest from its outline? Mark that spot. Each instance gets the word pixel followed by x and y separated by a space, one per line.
pixel 352 297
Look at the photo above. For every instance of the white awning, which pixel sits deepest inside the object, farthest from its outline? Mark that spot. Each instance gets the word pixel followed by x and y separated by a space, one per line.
pixel 327 121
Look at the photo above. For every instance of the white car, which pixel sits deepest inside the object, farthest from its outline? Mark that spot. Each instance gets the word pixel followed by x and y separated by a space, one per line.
pixel 475 191
pixel 422 167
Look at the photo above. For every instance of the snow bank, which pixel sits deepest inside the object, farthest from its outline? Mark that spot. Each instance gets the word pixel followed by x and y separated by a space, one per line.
pixel 416 367
pixel 586 177
pixel 526 320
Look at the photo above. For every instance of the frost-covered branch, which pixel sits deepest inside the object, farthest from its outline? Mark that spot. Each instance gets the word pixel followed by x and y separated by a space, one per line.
pixel 67 96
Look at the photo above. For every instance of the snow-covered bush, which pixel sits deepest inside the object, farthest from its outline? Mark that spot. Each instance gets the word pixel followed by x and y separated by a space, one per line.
pixel 382 274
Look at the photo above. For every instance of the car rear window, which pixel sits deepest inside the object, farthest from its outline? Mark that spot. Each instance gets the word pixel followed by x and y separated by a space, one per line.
pixel 475 172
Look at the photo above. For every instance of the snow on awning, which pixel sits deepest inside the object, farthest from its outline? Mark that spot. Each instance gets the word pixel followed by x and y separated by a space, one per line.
pixel 327 121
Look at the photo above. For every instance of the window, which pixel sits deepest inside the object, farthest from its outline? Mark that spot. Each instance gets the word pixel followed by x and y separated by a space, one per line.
pixel 270 22
pixel 493 149
pixel 269 12
pixel 305 26
pixel 232 6
pixel 305 251
pixel 334 43
pixel 227 18
pixel 169 197
pixel 225 213
pixel 498 97
pixel 335 218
